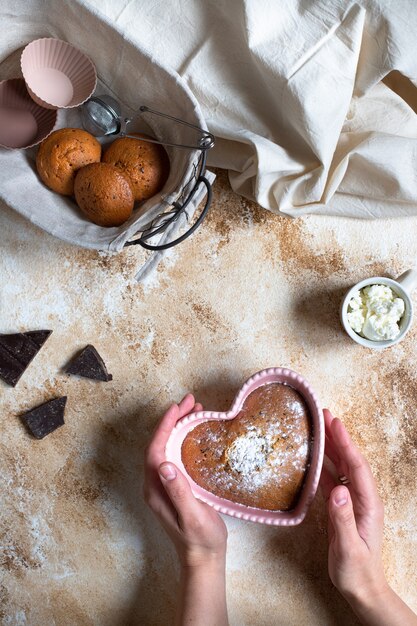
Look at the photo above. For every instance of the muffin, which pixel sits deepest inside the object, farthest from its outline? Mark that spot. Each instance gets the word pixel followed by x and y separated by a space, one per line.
pixel 62 154
pixel 146 164
pixel 259 458
pixel 104 194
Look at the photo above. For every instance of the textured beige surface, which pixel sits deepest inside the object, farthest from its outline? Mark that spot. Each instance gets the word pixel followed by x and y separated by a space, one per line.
pixel 249 290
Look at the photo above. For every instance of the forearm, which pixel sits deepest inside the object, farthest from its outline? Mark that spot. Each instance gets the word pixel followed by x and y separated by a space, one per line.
pixel 382 609
pixel 203 596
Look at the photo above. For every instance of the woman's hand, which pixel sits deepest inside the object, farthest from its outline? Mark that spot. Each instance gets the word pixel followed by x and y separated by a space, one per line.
pixel 197 531
pixel 356 517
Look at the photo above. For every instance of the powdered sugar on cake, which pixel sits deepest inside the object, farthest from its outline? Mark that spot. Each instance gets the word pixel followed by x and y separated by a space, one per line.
pixel 248 453
pixel 257 456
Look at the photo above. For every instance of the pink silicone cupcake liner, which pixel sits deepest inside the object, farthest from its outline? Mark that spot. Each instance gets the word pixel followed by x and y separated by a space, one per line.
pixel 274 518
pixel 57 75
pixel 23 123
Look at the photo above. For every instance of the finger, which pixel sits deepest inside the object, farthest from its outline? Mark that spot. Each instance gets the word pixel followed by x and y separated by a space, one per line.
pixel 330 449
pixel 155 452
pixel 197 407
pixel 155 494
pixel 343 520
pixel 328 416
pixel 327 483
pixel 357 468
pixel 168 421
pixel 163 431
pixel 180 494
pixel 158 501
pixel 186 405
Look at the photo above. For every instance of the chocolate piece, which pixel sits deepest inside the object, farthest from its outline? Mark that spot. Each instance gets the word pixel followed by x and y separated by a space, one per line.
pixel 89 364
pixel 17 351
pixel 46 418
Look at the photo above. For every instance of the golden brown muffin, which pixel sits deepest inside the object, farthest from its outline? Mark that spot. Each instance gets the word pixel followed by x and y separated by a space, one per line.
pixel 104 194
pixel 146 164
pixel 62 154
pixel 260 457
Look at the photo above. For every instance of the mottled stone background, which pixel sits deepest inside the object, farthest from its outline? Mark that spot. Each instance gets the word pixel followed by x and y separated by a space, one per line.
pixel 249 290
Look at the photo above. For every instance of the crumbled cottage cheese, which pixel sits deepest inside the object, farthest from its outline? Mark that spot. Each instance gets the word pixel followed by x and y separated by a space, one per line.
pixel 374 312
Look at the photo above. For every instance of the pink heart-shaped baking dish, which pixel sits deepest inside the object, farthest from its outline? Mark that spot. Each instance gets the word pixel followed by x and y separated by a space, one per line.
pixel 311 481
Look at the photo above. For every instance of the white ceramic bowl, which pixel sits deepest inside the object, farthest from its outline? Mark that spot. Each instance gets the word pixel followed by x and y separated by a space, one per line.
pixel 402 287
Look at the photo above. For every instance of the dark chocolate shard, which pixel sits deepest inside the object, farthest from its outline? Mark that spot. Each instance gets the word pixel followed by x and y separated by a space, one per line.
pixel 89 364
pixel 45 418
pixel 17 351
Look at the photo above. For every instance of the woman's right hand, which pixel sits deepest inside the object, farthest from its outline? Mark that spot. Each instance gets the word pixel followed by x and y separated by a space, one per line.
pixel 196 529
pixel 198 532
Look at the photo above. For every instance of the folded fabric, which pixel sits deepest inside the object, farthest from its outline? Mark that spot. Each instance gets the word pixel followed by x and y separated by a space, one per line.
pixel 293 91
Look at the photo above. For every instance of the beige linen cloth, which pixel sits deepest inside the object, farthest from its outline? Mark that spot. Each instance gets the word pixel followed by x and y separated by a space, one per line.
pixel 293 90
pixel 311 100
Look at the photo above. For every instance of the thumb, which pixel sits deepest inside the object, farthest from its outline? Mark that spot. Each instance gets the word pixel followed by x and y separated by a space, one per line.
pixel 343 518
pixel 179 492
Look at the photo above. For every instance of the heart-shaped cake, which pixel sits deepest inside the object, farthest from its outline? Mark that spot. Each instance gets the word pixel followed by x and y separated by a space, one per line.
pixel 261 460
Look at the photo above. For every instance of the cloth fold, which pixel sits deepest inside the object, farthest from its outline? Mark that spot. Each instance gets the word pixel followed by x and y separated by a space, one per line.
pixel 293 92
